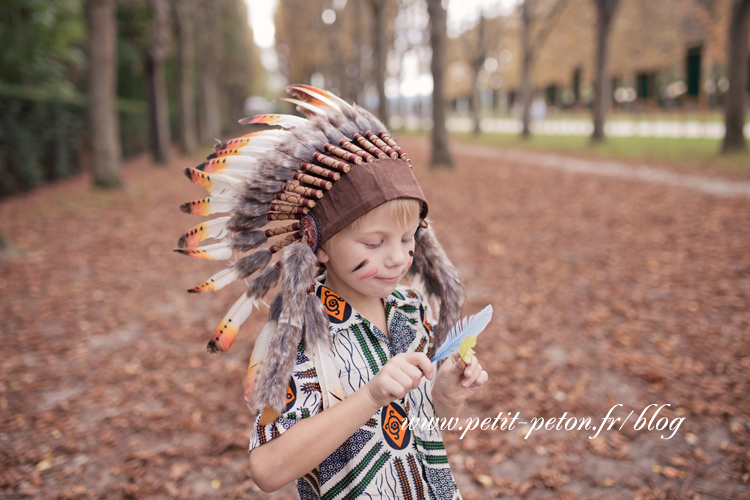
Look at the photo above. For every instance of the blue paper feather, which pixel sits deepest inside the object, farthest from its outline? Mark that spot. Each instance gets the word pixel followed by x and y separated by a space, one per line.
pixel 470 327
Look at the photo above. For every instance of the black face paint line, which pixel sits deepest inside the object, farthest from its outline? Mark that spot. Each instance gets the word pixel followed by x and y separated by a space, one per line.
pixel 360 265
pixel 411 253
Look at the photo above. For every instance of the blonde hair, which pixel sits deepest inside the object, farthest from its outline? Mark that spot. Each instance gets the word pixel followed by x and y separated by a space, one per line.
pixel 404 211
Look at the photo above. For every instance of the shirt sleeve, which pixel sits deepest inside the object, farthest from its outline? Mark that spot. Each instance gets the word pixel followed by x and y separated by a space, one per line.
pixel 303 400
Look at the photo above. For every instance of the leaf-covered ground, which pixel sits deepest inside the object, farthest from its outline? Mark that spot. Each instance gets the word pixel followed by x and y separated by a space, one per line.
pixel 606 291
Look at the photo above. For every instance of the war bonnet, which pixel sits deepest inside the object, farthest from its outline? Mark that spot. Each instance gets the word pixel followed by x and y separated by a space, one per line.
pixel 315 175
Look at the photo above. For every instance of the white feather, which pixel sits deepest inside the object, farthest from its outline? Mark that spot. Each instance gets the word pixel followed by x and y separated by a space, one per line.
pixel 240 310
pixel 470 327
pixel 222 184
pixel 220 279
pixel 218 205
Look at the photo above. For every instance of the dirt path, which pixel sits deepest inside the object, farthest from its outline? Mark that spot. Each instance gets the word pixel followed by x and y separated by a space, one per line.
pixel 610 290
pixel 709 185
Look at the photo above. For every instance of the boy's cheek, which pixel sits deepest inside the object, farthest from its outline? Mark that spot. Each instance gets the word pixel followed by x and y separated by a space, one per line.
pixel 370 273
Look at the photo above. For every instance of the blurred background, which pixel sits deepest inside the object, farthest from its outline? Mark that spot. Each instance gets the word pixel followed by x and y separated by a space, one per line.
pixel 587 166
pixel 152 74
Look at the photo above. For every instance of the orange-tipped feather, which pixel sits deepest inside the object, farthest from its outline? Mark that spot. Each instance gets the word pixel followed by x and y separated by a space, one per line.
pixel 235 162
pixel 285 121
pixel 217 251
pixel 315 95
pixel 217 281
pixel 258 359
pixel 208 206
pixel 224 336
pixel 304 107
pixel 215 228
pixel 214 183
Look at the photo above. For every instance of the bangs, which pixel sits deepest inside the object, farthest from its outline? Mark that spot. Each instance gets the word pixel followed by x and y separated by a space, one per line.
pixel 404 212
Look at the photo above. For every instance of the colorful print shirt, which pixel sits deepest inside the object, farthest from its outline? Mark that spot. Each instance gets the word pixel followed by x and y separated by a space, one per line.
pixel 381 459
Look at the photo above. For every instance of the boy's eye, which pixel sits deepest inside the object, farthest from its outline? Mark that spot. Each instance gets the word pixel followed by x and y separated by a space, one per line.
pixel 373 245
pixel 409 238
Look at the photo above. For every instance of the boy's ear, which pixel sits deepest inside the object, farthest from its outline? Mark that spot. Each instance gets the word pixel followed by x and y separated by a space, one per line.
pixel 322 256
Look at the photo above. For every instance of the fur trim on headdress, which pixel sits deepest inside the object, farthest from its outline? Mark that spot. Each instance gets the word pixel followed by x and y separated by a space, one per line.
pixel 440 279
pixel 299 266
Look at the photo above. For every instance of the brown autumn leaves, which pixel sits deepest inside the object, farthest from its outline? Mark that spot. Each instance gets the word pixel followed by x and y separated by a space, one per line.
pixel 605 292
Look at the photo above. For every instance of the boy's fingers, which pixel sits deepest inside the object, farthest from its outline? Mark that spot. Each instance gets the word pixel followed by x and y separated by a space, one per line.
pixel 460 364
pixel 472 367
pixel 421 361
pixel 474 374
pixel 415 373
pixel 394 389
pixel 404 379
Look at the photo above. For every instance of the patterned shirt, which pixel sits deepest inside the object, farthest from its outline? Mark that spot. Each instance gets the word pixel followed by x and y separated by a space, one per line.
pixel 381 459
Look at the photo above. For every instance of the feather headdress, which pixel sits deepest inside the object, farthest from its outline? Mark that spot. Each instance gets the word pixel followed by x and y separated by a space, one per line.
pixel 292 187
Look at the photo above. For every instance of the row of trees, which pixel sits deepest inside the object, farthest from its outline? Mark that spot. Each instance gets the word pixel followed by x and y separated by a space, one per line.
pixel 537 19
pixel 121 54
pixel 99 79
pixel 211 34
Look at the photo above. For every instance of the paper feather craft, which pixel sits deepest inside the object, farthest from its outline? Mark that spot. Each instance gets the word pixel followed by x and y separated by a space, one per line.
pixel 463 336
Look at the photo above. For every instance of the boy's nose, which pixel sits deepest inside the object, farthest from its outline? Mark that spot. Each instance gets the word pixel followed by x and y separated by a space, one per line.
pixel 395 256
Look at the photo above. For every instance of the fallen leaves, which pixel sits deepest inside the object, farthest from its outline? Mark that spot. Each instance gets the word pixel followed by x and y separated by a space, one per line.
pixel 609 291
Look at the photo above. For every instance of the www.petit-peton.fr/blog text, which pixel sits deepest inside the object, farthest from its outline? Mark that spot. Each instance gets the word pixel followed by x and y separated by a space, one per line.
pixel 646 420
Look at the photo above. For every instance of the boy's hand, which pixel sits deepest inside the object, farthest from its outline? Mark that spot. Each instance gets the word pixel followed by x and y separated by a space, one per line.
pixel 398 376
pixel 457 380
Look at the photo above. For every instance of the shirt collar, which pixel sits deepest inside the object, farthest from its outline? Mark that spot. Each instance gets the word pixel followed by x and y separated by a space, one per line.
pixel 342 316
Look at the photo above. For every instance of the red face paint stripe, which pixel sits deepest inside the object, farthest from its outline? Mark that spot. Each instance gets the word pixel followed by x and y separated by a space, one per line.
pixel 370 274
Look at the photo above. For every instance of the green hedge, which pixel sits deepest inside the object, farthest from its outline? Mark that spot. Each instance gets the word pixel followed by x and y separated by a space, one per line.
pixel 42 136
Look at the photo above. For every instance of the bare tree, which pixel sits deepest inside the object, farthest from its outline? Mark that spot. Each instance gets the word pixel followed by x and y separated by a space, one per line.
pixel 157 85
pixel 532 38
pixel 184 14
pixel 528 57
pixel 477 62
pixel 209 106
pixel 104 125
pixel 381 51
pixel 438 43
pixel 605 11
pixel 734 104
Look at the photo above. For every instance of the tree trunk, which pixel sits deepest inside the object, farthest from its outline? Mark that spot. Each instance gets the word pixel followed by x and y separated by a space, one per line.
pixel 605 10
pixel 157 86
pixel 381 52
pixel 355 78
pixel 734 103
pixel 441 157
pixel 477 64
pixel 104 125
pixel 185 10
pixel 209 111
pixel 528 58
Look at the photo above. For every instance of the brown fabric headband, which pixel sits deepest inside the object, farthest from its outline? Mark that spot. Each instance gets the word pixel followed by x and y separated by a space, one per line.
pixel 365 187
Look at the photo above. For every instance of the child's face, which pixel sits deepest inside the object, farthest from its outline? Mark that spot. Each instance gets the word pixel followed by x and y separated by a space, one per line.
pixel 368 262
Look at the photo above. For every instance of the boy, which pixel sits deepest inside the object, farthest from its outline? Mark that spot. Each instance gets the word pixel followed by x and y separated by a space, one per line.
pixel 340 368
